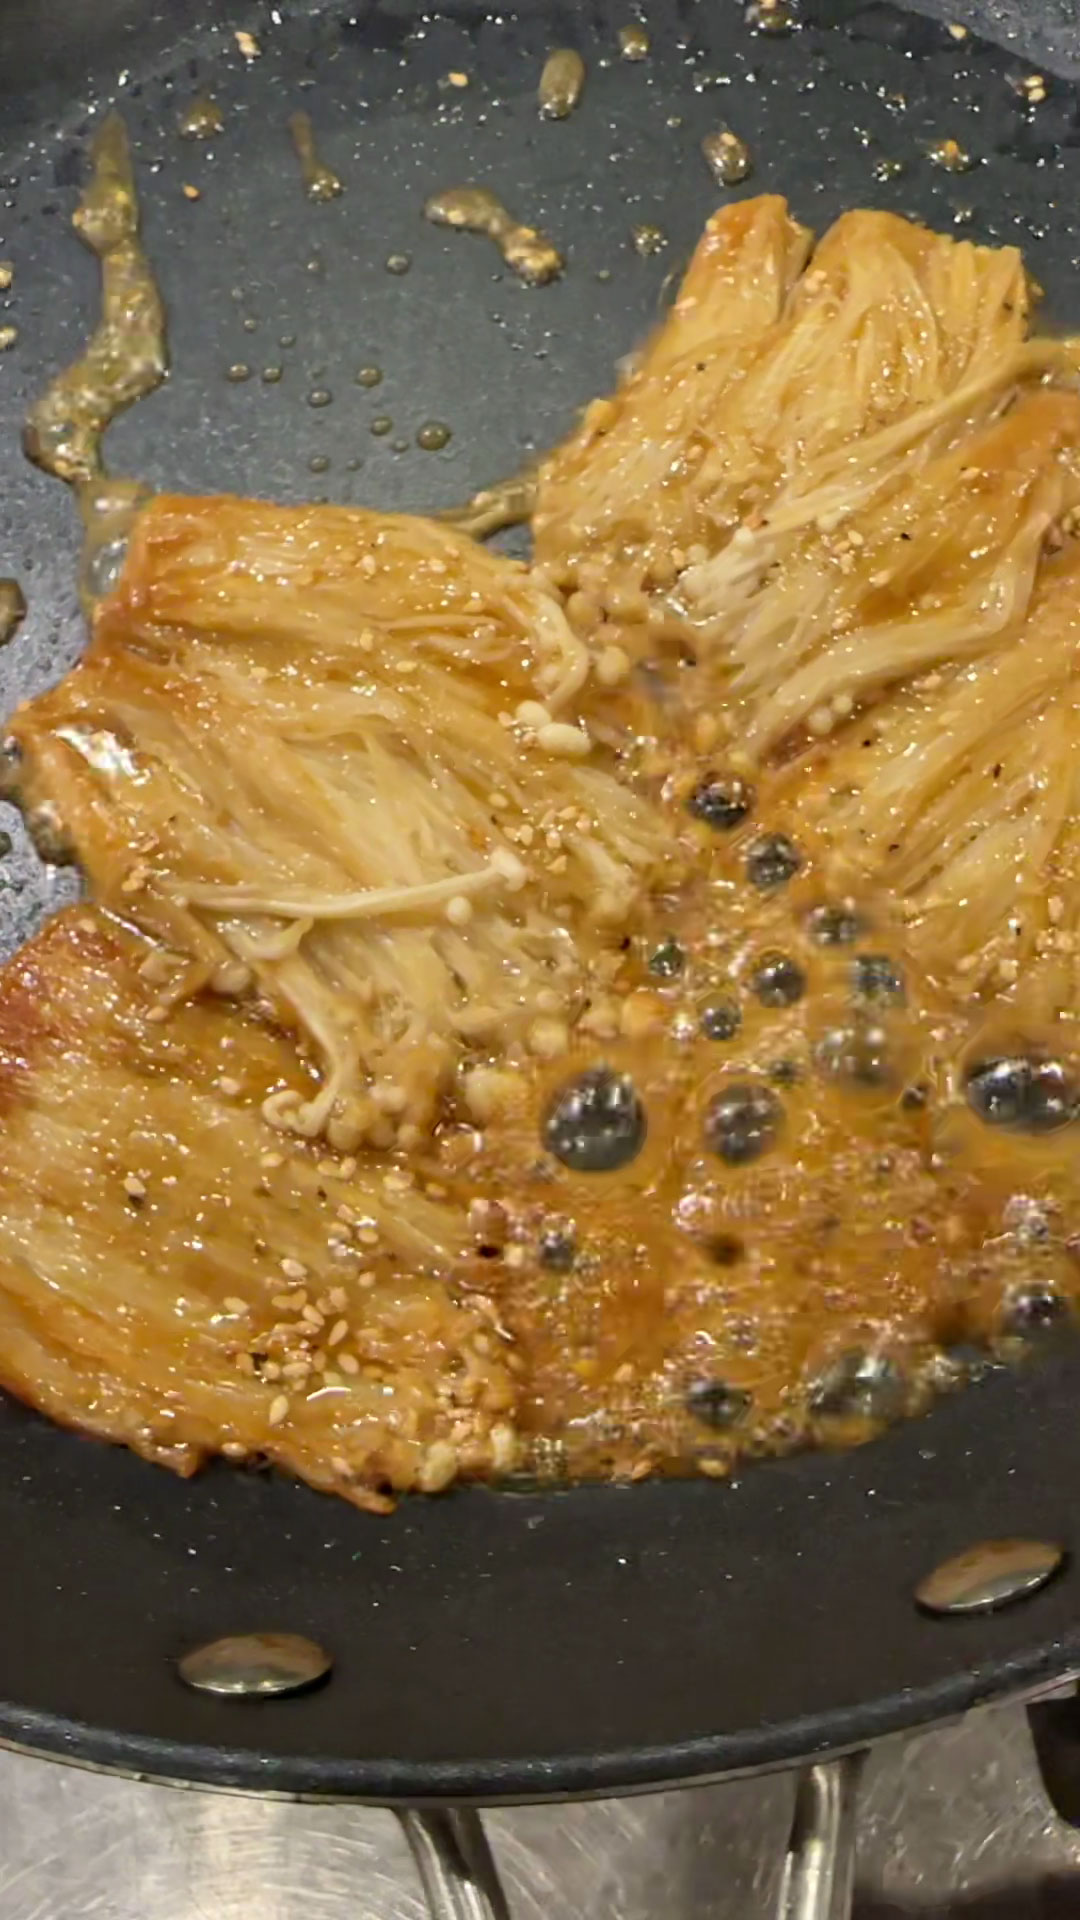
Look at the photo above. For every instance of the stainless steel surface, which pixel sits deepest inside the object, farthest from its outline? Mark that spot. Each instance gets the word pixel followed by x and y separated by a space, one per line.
pixel 455 1864
pixel 817 1879
pixel 954 1826
pixel 990 1575
pixel 254 1665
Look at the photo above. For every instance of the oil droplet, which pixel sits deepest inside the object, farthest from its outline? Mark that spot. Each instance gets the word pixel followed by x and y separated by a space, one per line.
pixel 887 169
pixel 398 262
pixel 287 340
pixel 399 446
pixel 433 436
pixel 319 397
pixel 561 83
pixel 250 324
pixel 320 182
pixel 727 157
pixel 238 372
pixel 12 609
pixel 319 463
pixel 648 240
pixel 952 156
pixel 126 357
pixel 202 120
pixel 354 464
pixel 381 425
pixel 271 375
pixel 529 253
pixel 8 337
pixel 368 376
pixel 7 275
pixel 634 42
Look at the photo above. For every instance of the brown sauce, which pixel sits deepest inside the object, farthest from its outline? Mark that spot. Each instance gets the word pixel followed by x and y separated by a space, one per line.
pixel 528 252
pixel 320 181
pixel 561 83
pixel 202 120
pixel 126 357
pixel 727 157
pixel 12 609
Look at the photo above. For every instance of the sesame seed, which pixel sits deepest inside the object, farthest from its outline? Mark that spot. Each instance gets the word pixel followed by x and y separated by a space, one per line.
pixel 559 737
pixel 279 1408
pixel 337 1333
pixel 312 1316
pixel 293 1269
pixel 271 1159
pixel 348 1363
pixel 228 1086
pixel 338 1298
pixel 134 1187
pixel 233 1304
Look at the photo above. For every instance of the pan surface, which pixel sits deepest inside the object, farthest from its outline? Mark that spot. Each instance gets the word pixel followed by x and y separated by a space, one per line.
pixel 486 1645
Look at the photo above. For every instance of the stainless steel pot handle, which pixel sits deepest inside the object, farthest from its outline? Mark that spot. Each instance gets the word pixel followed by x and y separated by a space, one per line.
pixel 819 1866
pixel 461 1882
pixel 455 1864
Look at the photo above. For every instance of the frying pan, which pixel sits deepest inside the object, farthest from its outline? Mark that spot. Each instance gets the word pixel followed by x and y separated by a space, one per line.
pixel 488 1645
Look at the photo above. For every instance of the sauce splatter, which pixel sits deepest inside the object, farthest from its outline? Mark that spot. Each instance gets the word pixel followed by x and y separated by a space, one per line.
pixel 952 156
pixel 202 120
pixel 12 609
pixel 648 240
pixel 320 181
pixel 126 357
pixel 727 157
pixel 634 42
pixel 561 83
pixel 531 255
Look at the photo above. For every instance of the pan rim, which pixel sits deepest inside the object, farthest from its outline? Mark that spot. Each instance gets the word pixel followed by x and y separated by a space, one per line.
pixel 494 1781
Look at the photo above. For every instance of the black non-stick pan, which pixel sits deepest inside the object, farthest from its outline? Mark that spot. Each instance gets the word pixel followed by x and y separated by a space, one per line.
pixel 487 1645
